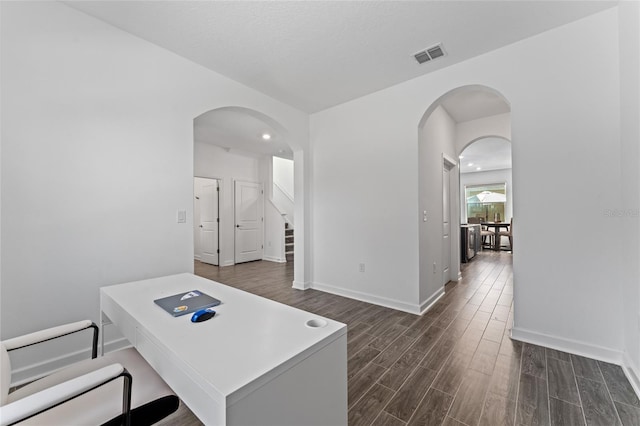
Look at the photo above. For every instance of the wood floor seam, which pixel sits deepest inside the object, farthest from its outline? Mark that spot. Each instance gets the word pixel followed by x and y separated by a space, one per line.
pixel 546 366
pixel 606 385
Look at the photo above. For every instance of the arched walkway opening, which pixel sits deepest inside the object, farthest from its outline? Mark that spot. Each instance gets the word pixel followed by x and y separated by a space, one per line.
pixel 244 202
pixel 453 122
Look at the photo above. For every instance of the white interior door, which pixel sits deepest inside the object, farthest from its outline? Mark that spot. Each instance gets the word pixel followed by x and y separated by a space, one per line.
pixel 446 224
pixel 208 224
pixel 249 208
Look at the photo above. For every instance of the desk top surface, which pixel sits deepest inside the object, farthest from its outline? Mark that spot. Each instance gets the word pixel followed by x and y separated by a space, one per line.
pixel 250 336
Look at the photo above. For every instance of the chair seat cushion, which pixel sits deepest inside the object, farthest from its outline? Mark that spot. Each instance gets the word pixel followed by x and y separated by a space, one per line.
pixel 150 394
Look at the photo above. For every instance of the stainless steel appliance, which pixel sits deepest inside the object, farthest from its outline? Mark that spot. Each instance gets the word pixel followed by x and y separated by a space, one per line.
pixel 470 241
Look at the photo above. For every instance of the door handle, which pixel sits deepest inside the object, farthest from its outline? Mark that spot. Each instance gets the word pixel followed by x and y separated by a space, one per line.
pixel 237 226
pixel 200 226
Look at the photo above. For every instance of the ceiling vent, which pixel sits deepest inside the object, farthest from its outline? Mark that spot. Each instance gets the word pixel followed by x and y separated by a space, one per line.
pixel 429 54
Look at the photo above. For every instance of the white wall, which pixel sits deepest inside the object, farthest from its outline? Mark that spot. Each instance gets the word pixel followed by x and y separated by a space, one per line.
pixel 566 154
pixel 217 163
pixel 283 175
pixel 565 118
pixel 282 190
pixel 97 141
pixel 365 206
pixel 468 132
pixel 437 137
pixel 484 177
pixel 274 249
pixel 630 188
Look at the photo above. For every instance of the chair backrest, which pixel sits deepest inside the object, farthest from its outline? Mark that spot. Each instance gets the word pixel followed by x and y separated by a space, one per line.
pixel 5 374
pixel 474 220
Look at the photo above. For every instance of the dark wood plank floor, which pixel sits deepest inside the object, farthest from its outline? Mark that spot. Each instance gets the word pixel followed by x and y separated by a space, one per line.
pixel 456 364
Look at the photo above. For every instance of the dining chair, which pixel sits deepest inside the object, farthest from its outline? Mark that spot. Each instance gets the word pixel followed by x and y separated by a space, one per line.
pixel 507 233
pixel 484 232
pixel 119 388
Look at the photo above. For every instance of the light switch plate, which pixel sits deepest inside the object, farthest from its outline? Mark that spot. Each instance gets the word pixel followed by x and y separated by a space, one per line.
pixel 182 216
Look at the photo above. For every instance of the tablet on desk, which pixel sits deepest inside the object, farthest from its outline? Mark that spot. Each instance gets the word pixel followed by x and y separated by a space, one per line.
pixel 186 303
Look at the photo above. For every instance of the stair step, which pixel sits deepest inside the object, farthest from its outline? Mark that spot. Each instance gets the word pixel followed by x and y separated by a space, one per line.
pixel 288 243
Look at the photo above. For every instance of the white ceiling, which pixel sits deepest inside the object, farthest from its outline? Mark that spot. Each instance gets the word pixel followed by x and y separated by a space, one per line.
pixel 488 154
pixel 317 54
pixel 238 130
pixel 467 105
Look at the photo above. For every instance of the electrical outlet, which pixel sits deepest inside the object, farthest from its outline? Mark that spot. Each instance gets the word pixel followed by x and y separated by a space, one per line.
pixel 362 267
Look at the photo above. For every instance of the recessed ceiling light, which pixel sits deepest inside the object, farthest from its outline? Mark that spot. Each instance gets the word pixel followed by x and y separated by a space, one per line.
pixel 461 156
pixel 470 164
pixel 266 136
pixel 478 168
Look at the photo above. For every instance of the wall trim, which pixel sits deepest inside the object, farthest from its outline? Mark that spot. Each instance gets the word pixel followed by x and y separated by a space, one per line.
pixel 427 304
pixel 302 285
pixel 369 298
pixel 37 370
pixel 631 371
pixel 583 349
pixel 274 259
pixel 568 345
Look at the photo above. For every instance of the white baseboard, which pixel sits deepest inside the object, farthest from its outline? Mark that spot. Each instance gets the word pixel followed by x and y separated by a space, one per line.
pixel 567 345
pixel 274 259
pixel 631 371
pixel 227 263
pixel 583 349
pixel 427 304
pixel 33 372
pixel 369 298
pixel 301 285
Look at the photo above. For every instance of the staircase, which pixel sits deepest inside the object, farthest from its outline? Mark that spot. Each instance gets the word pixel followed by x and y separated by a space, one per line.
pixel 288 242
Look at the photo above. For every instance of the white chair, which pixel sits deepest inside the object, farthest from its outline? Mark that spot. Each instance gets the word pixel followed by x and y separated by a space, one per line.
pixel 119 388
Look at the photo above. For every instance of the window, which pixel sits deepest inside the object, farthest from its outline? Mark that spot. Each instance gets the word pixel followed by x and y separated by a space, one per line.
pixel 486 201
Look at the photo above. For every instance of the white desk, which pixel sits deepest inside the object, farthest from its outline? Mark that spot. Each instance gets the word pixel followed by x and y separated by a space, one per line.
pixel 257 362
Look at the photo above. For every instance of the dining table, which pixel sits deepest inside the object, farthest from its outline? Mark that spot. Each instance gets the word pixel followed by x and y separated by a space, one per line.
pixel 497 226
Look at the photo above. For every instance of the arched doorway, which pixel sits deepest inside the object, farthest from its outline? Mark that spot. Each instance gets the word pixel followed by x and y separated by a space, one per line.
pixel 485 168
pixel 234 148
pixel 451 123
